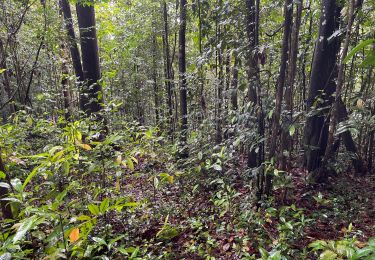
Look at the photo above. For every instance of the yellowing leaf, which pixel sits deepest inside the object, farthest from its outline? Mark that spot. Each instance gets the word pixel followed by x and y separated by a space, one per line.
pixel 118 184
pixel 360 103
pixel 118 159
pixel 130 164
pixel 86 147
pixel 74 235
pixel 170 179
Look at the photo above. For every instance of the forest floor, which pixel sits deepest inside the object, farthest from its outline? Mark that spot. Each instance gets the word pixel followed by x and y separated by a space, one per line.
pixel 198 230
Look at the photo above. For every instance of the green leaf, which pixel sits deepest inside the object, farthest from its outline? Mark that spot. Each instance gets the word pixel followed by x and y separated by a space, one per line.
pixel 156 182
pixel 30 176
pixel 292 130
pixel 357 48
pixel 2 175
pixel 104 205
pixel 130 164
pixel 318 244
pixel 84 218
pixel 93 209
pixel 99 240
pixel 4 185
pixel 6 256
pixel 25 226
pixel 17 185
pixel 217 167
pixel 328 255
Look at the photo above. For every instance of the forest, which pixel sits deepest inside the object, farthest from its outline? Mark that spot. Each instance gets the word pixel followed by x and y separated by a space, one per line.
pixel 187 129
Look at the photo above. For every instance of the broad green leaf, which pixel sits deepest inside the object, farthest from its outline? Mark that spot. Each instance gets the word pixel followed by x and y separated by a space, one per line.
pixel 4 185
pixel 25 226
pixel 357 48
pixel 30 176
pixel 99 240
pixel 104 205
pixel 328 255
pixel 17 184
pixel 93 209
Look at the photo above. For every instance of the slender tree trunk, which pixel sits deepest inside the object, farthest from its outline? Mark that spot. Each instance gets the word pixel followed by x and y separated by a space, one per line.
pixel 253 69
pixel 73 47
pixel 5 89
pixel 280 88
pixel 5 205
pixel 202 100
pixel 286 139
pixel 90 58
pixel 65 90
pixel 155 74
pixel 182 78
pixel 168 68
pixel 234 84
pixel 322 86
pixel 322 174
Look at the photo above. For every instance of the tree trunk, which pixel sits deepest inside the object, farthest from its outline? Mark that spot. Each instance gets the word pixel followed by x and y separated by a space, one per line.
pixel 73 47
pixel 321 175
pixel 253 69
pixel 182 79
pixel 349 142
pixel 234 84
pixel 322 86
pixel 167 68
pixel 90 58
pixel 155 74
pixel 286 139
pixel 5 90
pixel 65 90
pixel 5 205
pixel 279 90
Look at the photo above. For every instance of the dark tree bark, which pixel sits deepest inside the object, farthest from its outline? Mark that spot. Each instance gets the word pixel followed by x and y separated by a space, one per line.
pixel 155 74
pixel 234 85
pixel 182 79
pixel 90 58
pixel 322 86
pixel 5 90
pixel 349 142
pixel 202 100
pixel 286 139
pixel 5 206
pixel 279 90
pixel 322 174
pixel 168 68
pixel 253 69
pixel 73 47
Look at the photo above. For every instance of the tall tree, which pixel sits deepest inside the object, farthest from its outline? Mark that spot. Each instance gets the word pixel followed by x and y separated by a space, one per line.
pixel 5 205
pixel 322 85
pixel 253 68
pixel 286 140
pixel 73 47
pixel 168 68
pixel 338 105
pixel 182 79
pixel 280 89
pixel 90 58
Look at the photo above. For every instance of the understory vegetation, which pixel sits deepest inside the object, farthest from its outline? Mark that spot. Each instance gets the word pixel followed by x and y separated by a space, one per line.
pixel 175 129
